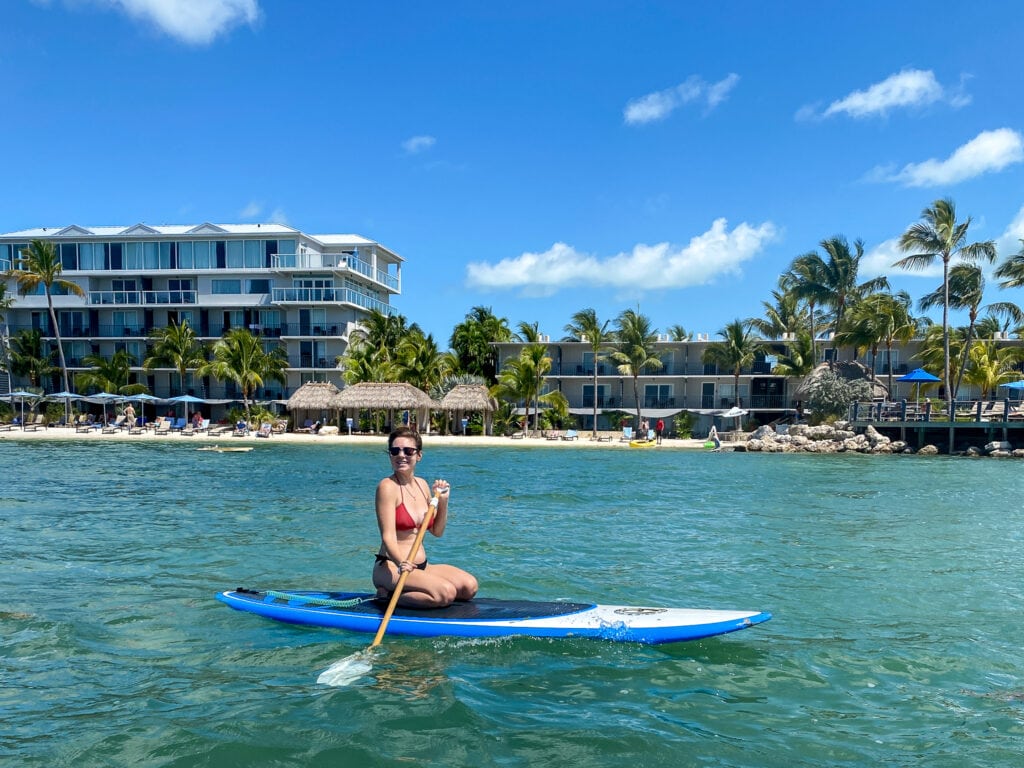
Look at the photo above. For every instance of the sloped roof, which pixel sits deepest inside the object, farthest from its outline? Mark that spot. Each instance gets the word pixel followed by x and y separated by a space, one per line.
pixel 469 397
pixel 392 396
pixel 314 396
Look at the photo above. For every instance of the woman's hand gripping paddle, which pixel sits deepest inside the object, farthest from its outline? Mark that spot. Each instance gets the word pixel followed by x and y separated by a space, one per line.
pixel 358 664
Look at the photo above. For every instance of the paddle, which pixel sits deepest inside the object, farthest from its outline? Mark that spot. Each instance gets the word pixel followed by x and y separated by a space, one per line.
pixel 352 667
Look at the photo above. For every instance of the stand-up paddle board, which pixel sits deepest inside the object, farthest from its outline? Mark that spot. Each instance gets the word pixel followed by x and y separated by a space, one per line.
pixel 484 617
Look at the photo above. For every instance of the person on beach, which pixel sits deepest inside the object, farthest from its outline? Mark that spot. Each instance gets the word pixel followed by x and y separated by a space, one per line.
pixel 713 437
pixel 402 502
pixel 129 414
pixel 659 427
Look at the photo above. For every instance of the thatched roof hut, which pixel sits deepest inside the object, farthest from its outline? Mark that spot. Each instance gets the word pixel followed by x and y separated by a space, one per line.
pixel 850 370
pixel 311 401
pixel 470 398
pixel 314 396
pixel 384 396
pixel 387 396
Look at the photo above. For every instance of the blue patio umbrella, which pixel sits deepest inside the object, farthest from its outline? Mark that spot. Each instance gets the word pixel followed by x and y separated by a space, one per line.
pixel 1013 384
pixel 187 400
pixel 67 397
pixel 919 376
pixel 21 394
pixel 143 398
pixel 104 398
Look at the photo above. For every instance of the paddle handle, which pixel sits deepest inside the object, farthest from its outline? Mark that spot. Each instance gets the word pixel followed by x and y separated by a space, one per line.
pixel 427 520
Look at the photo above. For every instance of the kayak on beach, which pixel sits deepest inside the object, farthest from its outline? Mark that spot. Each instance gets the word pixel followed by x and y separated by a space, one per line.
pixel 483 617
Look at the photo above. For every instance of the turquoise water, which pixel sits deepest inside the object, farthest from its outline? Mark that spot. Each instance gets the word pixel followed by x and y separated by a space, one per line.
pixel 897 586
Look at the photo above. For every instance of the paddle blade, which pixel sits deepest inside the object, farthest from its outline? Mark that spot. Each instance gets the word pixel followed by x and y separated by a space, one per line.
pixel 346 671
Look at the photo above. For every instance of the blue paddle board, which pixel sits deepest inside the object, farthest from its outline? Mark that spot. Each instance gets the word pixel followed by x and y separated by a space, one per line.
pixel 485 617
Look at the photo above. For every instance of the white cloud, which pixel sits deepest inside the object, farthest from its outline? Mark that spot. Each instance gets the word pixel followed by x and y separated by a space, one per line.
pixel 1009 242
pixel 278 216
pixel 660 104
pixel 988 152
pixel 251 211
pixel 909 89
pixel 706 257
pixel 197 22
pixel 879 261
pixel 418 144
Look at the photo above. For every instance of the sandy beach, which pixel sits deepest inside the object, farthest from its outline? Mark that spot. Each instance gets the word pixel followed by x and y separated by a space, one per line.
pixel 205 439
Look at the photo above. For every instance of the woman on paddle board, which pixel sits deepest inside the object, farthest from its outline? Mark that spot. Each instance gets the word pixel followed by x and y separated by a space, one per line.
pixel 402 503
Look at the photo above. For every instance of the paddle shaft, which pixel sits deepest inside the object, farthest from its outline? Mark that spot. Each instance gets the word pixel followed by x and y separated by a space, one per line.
pixel 427 520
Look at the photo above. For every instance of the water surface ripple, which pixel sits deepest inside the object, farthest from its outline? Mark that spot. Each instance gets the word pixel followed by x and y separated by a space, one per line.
pixel 897 586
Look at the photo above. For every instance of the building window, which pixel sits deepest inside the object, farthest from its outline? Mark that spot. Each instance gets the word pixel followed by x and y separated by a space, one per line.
pixel 257 286
pixel 227 286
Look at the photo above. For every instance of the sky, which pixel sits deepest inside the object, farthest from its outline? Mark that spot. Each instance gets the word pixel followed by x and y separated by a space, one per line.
pixel 537 158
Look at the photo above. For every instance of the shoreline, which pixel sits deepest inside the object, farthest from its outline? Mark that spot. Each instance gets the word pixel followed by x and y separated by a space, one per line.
pixel 292 438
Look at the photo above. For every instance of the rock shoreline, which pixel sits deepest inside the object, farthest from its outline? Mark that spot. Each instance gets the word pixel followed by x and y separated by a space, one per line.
pixel 840 438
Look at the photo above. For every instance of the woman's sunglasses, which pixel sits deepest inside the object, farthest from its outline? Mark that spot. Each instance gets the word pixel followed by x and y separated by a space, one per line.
pixel 396 451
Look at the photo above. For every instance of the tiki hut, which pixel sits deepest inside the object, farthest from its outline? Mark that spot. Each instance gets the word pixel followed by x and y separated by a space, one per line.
pixel 470 398
pixel 313 400
pixel 385 396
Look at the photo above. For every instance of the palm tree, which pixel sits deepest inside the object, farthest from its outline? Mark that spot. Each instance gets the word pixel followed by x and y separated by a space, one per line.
pixel 636 352
pixel 832 280
pixel 786 315
pixel 518 381
pixel 239 357
pixel 881 318
pixel 677 333
pixel 736 351
pixel 472 342
pixel 991 366
pixel 805 280
pixel 176 346
pixel 41 265
pixel 1012 270
pixel 798 359
pixel 28 358
pixel 939 236
pixel 419 362
pixel 584 326
pixel 109 375
pixel 966 290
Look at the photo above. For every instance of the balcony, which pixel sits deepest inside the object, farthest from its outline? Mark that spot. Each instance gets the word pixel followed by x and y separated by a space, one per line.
pixel 336 262
pixel 329 296
pixel 144 298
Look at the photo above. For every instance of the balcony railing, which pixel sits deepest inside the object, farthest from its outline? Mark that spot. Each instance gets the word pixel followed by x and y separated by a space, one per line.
pixel 329 296
pixel 134 298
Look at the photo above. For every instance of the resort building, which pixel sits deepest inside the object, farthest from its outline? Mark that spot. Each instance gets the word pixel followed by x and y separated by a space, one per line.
pixel 304 292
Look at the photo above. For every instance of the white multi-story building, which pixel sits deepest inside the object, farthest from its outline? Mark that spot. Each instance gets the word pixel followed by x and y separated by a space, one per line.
pixel 302 291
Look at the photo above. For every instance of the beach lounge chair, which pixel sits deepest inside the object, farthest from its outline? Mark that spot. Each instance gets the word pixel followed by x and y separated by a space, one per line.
pixel 241 429
pixel 39 421
pixel 6 426
pixel 627 435
pixel 571 434
pixel 114 426
pixel 553 435
pixel 306 426
pixel 178 424
pixel 138 427
pixel 220 429
pixel 163 426
pixel 84 423
pixel 265 430
pixel 518 435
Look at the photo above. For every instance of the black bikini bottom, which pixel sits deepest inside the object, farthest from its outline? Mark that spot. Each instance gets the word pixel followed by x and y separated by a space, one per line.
pixel 419 566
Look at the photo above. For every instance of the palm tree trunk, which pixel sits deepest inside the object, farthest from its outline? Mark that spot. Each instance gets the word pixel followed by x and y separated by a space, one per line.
pixel 945 340
pixel 60 352
pixel 964 356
